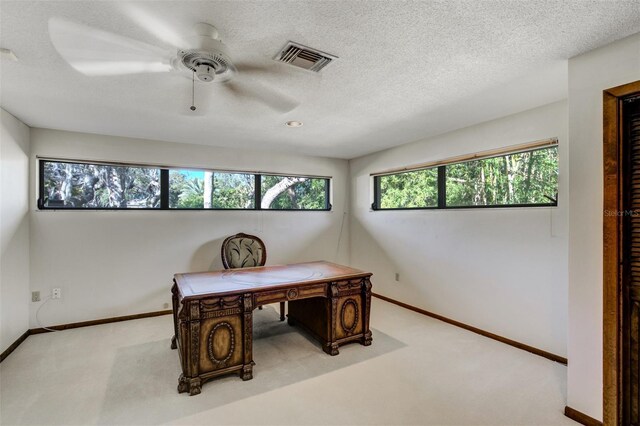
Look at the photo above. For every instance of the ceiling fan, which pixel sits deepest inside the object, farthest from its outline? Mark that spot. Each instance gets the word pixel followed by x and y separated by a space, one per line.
pixel 203 56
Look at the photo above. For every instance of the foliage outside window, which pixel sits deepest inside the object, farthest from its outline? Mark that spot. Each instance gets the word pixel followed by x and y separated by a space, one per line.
pixel 74 185
pixel 198 189
pixel 98 186
pixel 418 189
pixel 524 178
pixel 294 193
pixel 527 178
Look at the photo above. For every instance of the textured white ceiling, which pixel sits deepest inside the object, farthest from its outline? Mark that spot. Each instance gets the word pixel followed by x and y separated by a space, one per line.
pixel 407 69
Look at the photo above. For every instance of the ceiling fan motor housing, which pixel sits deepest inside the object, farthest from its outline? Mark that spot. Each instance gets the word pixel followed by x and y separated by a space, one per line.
pixel 208 59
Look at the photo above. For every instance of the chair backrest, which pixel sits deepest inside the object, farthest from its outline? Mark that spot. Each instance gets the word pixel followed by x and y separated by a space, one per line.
pixel 243 251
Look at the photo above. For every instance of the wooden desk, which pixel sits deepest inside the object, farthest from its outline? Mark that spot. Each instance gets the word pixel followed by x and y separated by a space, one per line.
pixel 213 313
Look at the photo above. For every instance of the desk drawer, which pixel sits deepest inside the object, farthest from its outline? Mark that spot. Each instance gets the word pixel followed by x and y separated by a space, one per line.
pixel 288 294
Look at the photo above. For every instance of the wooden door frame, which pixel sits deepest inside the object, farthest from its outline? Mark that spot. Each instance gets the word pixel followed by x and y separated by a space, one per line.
pixel 612 250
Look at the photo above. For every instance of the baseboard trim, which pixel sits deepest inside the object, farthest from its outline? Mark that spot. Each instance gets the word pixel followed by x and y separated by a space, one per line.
pixel 99 322
pixel 14 345
pixel 61 327
pixel 579 417
pixel 525 347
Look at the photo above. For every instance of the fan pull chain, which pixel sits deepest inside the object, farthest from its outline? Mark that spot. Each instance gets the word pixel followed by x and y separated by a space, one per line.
pixel 193 91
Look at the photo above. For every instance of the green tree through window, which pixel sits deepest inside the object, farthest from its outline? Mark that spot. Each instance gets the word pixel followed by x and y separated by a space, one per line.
pixel 293 193
pixel 77 185
pixel 528 178
pixel 104 186
pixel 409 190
pixel 524 178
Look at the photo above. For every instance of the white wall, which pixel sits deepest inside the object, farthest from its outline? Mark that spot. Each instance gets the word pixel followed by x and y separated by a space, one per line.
pixel 589 75
pixel 502 270
pixel 122 262
pixel 14 229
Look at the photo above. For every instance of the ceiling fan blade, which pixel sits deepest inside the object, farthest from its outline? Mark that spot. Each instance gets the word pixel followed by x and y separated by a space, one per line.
pixel 247 68
pixel 262 94
pixel 94 52
pixel 154 26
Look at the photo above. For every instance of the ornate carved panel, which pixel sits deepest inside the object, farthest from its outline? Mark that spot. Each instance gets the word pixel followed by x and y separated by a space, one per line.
pixel 216 303
pixel 349 287
pixel 288 294
pixel 349 316
pixel 292 294
pixel 221 343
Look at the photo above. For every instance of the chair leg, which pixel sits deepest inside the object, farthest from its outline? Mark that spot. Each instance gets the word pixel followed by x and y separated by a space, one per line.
pixel 281 311
pixel 260 307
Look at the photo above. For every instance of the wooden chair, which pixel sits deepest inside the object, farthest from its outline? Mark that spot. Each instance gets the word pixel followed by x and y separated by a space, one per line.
pixel 245 251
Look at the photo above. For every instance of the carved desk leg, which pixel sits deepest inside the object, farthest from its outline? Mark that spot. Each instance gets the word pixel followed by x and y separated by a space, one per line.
pixel 183 384
pixel 247 368
pixel 193 386
pixel 175 305
pixel 189 327
pixel 331 347
pixel 366 294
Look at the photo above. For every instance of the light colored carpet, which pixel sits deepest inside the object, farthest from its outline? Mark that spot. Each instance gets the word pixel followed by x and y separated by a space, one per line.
pixel 418 371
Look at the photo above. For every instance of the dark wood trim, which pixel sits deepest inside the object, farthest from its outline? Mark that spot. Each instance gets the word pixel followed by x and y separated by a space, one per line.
pixel 100 321
pixel 612 342
pixel 580 417
pixel 536 351
pixel 612 243
pixel 60 327
pixel 629 89
pixel 14 345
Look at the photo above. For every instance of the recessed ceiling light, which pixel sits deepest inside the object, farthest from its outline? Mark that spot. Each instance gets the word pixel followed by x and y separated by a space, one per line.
pixel 293 123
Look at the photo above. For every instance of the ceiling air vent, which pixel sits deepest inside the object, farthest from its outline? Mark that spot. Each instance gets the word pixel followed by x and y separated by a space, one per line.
pixel 304 57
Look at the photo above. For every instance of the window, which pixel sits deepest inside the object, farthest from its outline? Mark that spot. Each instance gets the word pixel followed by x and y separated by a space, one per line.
pixel 76 185
pixel 199 189
pixel 294 193
pixel 233 191
pixel 99 186
pixel 526 178
pixel 418 189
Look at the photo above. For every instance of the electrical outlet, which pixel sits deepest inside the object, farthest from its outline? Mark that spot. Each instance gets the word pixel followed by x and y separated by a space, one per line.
pixel 397 276
pixel 35 296
pixel 56 293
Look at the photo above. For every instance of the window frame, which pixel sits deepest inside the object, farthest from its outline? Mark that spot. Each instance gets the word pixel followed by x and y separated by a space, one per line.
pixel 164 187
pixel 211 208
pixel 377 195
pixel 41 184
pixel 327 191
pixel 442 185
